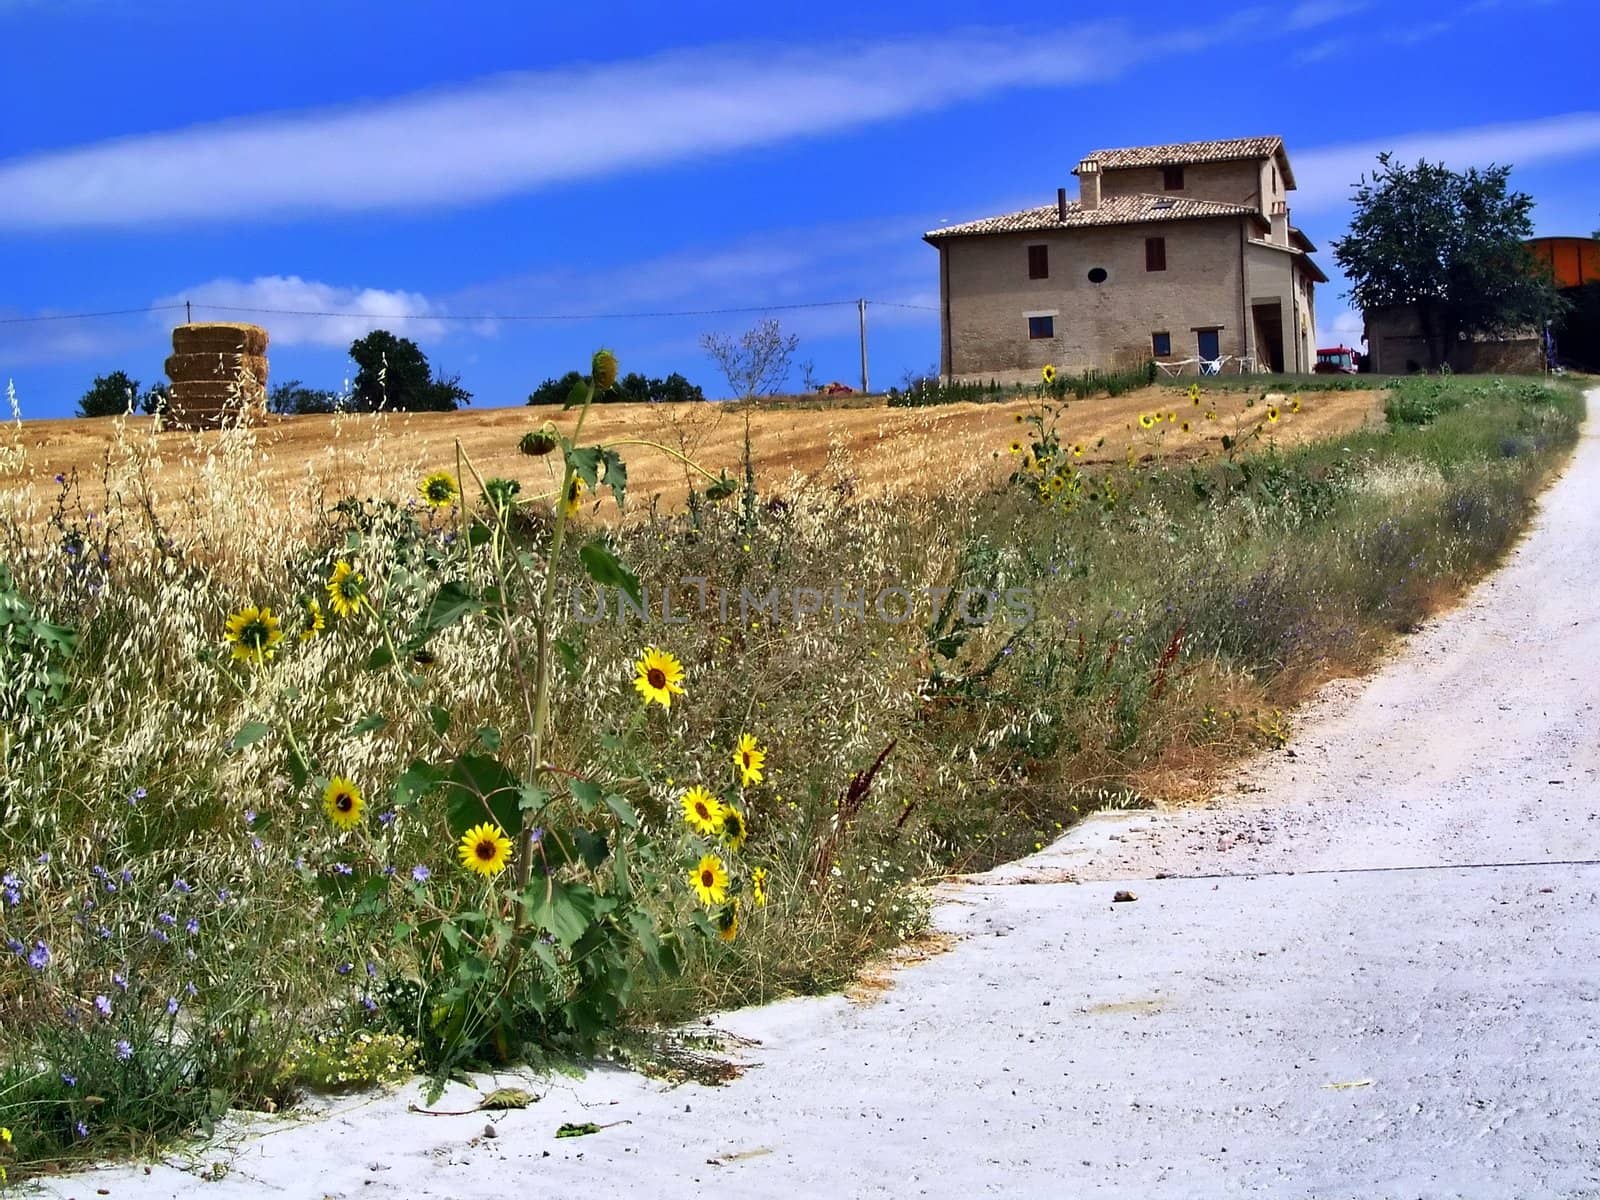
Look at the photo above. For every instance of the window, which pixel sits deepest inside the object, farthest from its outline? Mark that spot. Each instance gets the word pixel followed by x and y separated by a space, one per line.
pixel 1155 254
pixel 1097 275
pixel 1161 344
pixel 1274 179
pixel 1041 327
pixel 1172 179
pixel 1038 262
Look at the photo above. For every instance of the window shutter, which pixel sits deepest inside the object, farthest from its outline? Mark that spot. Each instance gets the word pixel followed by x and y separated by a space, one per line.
pixel 1155 254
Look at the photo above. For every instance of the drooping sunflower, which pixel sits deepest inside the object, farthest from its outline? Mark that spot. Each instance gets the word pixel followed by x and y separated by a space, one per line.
pixel 343 803
pixel 1049 373
pixel 758 886
pixel 1294 405
pixel 484 850
pixel 573 500
pixel 658 676
pixel 701 810
pixel 1272 412
pixel 1146 421
pixel 728 921
pixel 750 758
pixel 439 489
pixel 254 633
pixel 709 879
pixel 734 830
pixel 313 621
pixel 345 589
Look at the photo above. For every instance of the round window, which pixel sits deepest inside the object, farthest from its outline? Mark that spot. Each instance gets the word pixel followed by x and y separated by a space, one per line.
pixel 1097 275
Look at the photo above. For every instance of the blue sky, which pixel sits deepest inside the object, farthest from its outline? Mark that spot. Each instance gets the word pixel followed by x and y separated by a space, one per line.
pixel 442 164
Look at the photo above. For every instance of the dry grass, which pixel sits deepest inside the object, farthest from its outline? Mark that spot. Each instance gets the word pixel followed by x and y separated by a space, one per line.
pixel 880 450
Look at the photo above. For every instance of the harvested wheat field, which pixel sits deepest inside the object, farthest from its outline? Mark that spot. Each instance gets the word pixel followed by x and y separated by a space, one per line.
pixel 871 448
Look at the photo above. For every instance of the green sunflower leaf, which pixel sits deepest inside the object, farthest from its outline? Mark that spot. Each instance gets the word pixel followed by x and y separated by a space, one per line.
pixel 578 394
pixel 440 718
pixel 622 810
pixel 605 569
pixel 616 476
pixel 368 724
pixel 449 604
pixel 249 734
pixel 479 788
pixel 587 793
pixel 417 781
pixel 585 463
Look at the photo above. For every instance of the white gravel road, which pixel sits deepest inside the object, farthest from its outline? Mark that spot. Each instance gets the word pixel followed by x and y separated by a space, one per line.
pixel 1370 972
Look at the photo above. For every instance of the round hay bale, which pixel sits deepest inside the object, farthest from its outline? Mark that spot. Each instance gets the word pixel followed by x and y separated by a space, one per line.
pixel 206 367
pixel 224 337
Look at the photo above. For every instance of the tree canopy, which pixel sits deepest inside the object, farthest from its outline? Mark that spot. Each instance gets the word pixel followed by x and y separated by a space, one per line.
pixel 1452 245
pixel 111 396
pixel 393 374
pixel 294 398
pixel 632 388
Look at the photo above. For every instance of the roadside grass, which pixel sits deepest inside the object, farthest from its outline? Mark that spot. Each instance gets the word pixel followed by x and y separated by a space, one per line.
pixel 171 950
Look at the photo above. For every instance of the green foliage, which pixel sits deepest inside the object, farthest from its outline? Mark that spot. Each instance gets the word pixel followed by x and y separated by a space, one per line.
pixel 632 388
pixel 293 398
pixel 392 374
pixel 1451 244
pixel 111 396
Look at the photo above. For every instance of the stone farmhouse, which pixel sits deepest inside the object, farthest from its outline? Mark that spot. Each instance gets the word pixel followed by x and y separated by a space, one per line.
pixel 1180 253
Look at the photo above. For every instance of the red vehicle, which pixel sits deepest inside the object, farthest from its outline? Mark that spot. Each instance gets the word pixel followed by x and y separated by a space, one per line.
pixel 1338 360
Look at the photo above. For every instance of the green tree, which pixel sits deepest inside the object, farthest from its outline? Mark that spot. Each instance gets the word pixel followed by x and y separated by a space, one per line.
pixel 294 398
pixel 393 374
pixel 156 400
pixel 632 388
pixel 1451 244
pixel 111 396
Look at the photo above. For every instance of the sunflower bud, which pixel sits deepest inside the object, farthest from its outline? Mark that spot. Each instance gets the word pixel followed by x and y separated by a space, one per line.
pixel 536 443
pixel 603 370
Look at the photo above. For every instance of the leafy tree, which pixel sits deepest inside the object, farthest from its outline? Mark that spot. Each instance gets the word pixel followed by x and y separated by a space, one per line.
pixel 393 373
pixel 293 398
pixel 1451 244
pixel 556 391
pixel 156 400
pixel 757 362
pixel 111 396
pixel 632 388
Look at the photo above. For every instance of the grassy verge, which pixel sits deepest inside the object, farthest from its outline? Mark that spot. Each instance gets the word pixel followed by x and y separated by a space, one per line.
pixel 938 684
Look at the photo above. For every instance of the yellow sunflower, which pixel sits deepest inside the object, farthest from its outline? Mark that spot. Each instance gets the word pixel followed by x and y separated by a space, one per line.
pixel 1017 417
pixel 658 676
pixel 574 497
pixel 1146 421
pixel 313 621
pixel 1294 405
pixel 1016 447
pixel 1272 412
pixel 1172 416
pixel 1211 414
pixel 485 850
pixel 1077 450
pixel 254 633
pixel 1194 392
pixel 709 879
pixel 734 830
pixel 750 758
pixel 345 589
pixel 1049 373
pixel 728 921
pixel 342 801
pixel 758 886
pixel 701 810
pixel 1184 427
pixel 439 489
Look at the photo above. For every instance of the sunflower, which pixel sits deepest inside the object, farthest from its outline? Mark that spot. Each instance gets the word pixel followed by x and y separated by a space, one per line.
pixel 439 489
pixel 1171 417
pixel 1017 417
pixel 1272 412
pixel 750 757
pixel 1016 446
pixel 728 921
pixel 574 497
pixel 701 810
pixel 1184 427
pixel 734 830
pixel 1194 393
pixel 485 849
pixel 1048 374
pixel 1077 450
pixel 1294 405
pixel 345 590
pixel 658 676
pixel 1055 485
pixel 709 879
pixel 424 660
pixel 1211 414
pixel 254 633
pixel 342 801
pixel 314 622
pixel 1146 421
pixel 758 886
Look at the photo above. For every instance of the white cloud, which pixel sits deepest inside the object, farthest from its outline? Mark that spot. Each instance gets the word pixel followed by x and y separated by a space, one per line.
pixel 303 312
pixel 1326 175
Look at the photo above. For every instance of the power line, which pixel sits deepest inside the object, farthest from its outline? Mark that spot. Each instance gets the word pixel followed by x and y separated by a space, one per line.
pixel 113 312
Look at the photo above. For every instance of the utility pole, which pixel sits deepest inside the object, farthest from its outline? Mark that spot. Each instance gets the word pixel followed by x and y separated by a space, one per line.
pixel 188 313
pixel 861 313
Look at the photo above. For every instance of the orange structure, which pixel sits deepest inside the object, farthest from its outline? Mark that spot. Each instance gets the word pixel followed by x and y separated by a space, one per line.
pixel 1574 261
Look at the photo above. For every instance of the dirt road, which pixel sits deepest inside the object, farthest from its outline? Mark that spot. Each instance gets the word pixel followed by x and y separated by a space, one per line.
pixel 1369 971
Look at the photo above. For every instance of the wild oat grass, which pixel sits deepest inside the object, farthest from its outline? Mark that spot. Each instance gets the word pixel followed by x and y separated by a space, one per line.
pixel 180 935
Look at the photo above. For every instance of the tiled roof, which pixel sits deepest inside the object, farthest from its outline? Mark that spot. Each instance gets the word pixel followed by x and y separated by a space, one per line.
pixel 1113 210
pixel 1179 153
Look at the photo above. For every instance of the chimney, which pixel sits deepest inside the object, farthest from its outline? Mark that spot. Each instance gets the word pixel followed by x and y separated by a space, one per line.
pixel 1089 185
pixel 1061 205
pixel 1280 223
